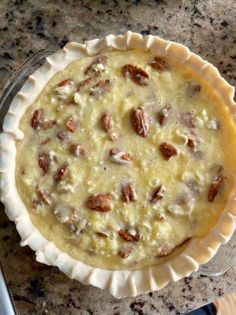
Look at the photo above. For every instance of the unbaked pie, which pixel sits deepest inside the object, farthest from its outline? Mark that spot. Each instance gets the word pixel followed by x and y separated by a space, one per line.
pixel 123 154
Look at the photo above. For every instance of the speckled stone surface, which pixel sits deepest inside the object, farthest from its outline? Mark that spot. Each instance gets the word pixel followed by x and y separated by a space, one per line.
pixel 207 28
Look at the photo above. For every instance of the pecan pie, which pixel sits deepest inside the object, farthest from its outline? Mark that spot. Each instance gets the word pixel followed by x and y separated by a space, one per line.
pixel 128 156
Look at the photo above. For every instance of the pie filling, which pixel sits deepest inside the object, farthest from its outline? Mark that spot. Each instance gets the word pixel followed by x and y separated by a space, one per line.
pixel 125 157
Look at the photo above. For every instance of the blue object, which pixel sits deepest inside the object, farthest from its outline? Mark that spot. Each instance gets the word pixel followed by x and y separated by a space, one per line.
pixel 208 309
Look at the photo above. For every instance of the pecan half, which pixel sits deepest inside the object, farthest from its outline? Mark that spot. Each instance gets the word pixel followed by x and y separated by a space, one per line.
pixel 100 88
pixel 168 150
pixel 128 237
pixel 100 202
pixel 71 124
pixel 48 124
pixel 107 122
pixel 64 82
pixel 163 115
pixel 158 194
pixel 214 187
pixel 44 196
pixel 78 149
pixel 125 252
pixel 128 193
pixel 159 64
pixel 37 118
pixel 86 82
pixel 140 121
pixel 44 161
pixel 61 173
pixel 120 157
pixel 93 67
pixel 137 74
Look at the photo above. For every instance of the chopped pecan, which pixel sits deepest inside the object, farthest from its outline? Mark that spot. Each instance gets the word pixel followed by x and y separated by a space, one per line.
pixel 100 88
pixel 78 149
pixel 193 88
pixel 102 233
pixel 120 157
pixel 192 142
pixel 125 252
pixel 71 124
pixel 63 135
pixel 114 136
pixel 168 150
pixel 158 194
pixel 45 141
pixel 140 121
pixel 66 214
pixel 219 169
pixel 80 226
pixel 187 119
pixel 64 90
pixel 44 196
pixel 100 202
pixel 213 124
pixel 64 82
pixel 128 193
pixel 44 162
pixel 48 124
pixel 184 200
pixel 214 187
pixel 93 67
pixel 163 115
pixel 198 155
pixel 113 151
pixel 137 74
pixel 86 82
pixel 22 171
pixel 35 203
pixel 129 237
pixel 165 249
pixel 193 185
pixel 159 64
pixel 70 103
pixel 61 173
pixel 37 118
pixel 107 122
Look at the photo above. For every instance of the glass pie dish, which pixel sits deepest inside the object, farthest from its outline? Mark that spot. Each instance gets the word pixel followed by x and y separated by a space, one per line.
pixel 215 267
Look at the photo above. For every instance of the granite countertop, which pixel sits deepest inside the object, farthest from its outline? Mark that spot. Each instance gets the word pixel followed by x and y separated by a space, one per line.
pixel 207 28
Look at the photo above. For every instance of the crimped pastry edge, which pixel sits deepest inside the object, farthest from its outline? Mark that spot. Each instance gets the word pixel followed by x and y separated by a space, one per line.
pixel 120 283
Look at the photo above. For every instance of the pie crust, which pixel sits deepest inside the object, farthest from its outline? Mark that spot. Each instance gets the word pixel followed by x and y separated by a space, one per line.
pixel 120 283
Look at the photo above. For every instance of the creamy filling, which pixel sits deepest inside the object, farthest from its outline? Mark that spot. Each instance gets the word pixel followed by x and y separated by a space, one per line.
pixel 125 157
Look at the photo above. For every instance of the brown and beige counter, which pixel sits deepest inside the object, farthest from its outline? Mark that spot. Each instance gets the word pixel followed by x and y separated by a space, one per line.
pixel 206 27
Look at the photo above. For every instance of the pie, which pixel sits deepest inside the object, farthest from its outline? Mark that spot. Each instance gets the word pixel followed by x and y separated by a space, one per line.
pixel 119 162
